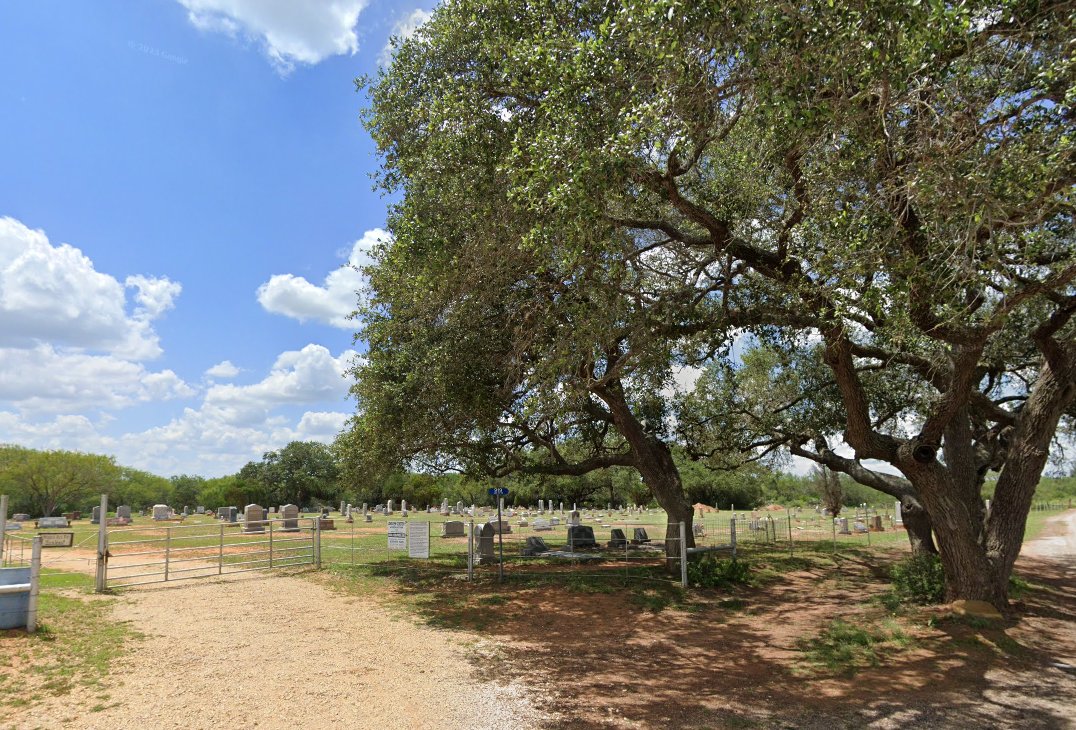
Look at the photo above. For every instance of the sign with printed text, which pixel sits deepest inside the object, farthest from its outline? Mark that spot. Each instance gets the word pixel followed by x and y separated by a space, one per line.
pixel 498 491
pixel 57 539
pixel 397 535
pixel 418 540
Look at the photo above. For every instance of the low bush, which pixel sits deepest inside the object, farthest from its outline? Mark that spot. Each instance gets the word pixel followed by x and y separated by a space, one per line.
pixel 919 579
pixel 711 572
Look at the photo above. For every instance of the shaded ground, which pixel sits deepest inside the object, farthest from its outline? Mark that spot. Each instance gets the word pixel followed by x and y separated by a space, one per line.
pixel 603 659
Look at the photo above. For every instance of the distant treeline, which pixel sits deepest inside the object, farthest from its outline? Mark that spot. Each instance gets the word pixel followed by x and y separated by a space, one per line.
pixel 308 474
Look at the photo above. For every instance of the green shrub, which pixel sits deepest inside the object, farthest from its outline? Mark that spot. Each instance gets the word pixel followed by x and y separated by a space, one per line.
pixel 708 571
pixel 919 579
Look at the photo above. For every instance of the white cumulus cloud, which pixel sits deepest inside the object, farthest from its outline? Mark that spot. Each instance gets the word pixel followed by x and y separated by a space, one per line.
pixel 54 294
pixel 330 302
pixel 309 375
pixel 406 27
pixel 43 378
pixel 291 31
pixel 223 370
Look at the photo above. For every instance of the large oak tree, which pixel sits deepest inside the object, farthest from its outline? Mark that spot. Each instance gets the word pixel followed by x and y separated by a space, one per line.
pixel 594 193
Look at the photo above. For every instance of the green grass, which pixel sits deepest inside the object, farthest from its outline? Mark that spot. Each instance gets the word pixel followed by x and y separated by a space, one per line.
pixel 843 648
pixel 74 647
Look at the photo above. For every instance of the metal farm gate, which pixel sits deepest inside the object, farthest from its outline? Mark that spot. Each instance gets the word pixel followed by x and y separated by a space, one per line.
pixel 166 551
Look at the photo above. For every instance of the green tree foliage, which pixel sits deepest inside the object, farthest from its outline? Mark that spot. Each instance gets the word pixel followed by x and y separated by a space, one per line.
pixel 139 489
pixel 42 482
pixel 301 473
pixel 594 192
pixel 186 489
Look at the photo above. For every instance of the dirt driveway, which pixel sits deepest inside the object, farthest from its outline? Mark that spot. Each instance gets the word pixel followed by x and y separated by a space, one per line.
pixel 282 651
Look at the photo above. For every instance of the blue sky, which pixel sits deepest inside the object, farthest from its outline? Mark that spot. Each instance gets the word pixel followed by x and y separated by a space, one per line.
pixel 183 181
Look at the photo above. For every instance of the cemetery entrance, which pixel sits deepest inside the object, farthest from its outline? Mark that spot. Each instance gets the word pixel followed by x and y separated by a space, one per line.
pixel 169 551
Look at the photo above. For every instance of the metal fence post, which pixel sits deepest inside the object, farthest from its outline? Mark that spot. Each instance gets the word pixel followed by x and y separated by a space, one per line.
pixel 317 541
pixel 470 552
pixel 101 582
pixel 270 544
pixel 220 552
pixel 732 536
pixel 167 550
pixel 35 579
pixel 3 525
pixel 790 533
pixel 683 554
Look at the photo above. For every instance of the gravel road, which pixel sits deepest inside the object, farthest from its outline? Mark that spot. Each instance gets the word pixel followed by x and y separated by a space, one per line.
pixel 280 651
pixel 1058 539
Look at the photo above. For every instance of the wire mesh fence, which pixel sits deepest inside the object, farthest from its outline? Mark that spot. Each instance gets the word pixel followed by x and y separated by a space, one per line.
pixel 626 545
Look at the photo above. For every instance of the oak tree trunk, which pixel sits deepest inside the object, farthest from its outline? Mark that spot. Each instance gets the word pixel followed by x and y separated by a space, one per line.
pixel 654 461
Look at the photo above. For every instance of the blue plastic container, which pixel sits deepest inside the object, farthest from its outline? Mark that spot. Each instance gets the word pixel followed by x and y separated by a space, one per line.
pixel 14 606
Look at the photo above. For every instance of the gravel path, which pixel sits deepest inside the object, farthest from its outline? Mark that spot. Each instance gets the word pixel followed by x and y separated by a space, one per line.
pixel 1058 539
pixel 281 651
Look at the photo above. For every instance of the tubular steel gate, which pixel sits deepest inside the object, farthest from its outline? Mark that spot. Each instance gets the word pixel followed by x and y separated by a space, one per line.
pixel 130 556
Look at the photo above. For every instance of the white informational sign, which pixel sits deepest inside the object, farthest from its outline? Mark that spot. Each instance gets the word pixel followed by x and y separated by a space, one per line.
pixel 397 535
pixel 418 540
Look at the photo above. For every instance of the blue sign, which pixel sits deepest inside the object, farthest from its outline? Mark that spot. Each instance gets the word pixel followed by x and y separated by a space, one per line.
pixel 498 491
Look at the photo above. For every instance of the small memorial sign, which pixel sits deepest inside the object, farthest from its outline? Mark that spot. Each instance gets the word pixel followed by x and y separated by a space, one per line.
pixel 397 535
pixel 57 539
pixel 418 540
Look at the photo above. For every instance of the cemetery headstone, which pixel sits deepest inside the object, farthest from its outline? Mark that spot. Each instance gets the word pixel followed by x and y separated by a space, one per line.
pixel 580 537
pixel 844 527
pixel 162 512
pixel 486 553
pixel 49 523
pixel 232 514
pixel 500 527
pixel 95 517
pixel 123 511
pixel 617 539
pixel 535 546
pixel 574 519
pixel 290 514
pixel 541 525
pixel 640 537
pixel 252 518
pixel 20 517
pixel 453 528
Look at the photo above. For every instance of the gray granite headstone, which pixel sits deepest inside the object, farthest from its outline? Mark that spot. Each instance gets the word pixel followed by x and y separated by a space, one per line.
pixel 290 514
pixel 162 512
pixel 123 511
pixel 535 546
pixel 640 537
pixel 232 514
pixel 20 517
pixel 95 518
pixel 453 528
pixel 253 515
pixel 485 544
pixel 617 540
pixel 46 523
pixel 500 527
pixel 581 536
